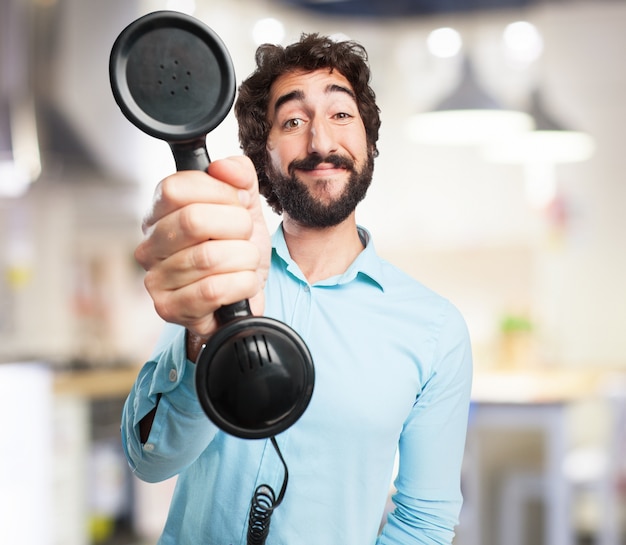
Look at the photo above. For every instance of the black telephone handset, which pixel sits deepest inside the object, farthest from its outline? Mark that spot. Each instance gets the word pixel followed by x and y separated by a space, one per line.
pixel 173 78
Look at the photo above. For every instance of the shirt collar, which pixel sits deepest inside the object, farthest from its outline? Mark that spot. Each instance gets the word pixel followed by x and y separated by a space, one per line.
pixel 367 264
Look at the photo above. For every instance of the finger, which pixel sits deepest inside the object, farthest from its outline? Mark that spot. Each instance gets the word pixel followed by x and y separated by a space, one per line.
pixel 209 258
pixel 238 172
pixel 184 188
pixel 193 305
pixel 192 225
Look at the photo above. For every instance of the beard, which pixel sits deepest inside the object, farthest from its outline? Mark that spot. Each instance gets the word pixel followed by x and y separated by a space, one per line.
pixel 297 201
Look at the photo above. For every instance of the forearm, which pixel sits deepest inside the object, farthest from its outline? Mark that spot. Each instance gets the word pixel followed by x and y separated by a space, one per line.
pixel 193 344
pixel 163 426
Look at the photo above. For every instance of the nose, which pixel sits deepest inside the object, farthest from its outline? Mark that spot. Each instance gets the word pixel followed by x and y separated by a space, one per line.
pixel 321 138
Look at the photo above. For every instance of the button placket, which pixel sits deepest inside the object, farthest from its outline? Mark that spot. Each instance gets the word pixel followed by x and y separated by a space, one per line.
pixel 302 309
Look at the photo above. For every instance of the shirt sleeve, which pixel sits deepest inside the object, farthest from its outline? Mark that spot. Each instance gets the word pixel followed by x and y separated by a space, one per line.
pixel 181 430
pixel 428 498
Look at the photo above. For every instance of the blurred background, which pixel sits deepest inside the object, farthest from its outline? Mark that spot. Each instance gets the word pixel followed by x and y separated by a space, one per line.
pixel 499 184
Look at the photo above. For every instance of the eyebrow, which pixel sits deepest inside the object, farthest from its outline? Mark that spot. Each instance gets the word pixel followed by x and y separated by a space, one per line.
pixel 298 95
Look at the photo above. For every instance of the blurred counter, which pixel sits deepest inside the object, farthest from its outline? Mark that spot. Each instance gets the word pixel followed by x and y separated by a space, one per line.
pixel 528 386
pixel 96 383
pixel 547 385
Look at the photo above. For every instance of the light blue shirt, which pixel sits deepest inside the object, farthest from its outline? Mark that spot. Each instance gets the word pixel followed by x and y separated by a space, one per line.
pixel 392 371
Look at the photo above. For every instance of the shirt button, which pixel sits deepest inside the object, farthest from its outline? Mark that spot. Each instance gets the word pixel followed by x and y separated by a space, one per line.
pixel 148 447
pixel 173 375
pixel 307 289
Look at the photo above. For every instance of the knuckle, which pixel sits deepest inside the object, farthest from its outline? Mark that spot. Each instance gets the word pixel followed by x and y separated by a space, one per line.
pixel 164 309
pixel 208 292
pixel 160 298
pixel 150 283
pixel 190 219
pixel 201 257
pixel 168 189
pixel 140 256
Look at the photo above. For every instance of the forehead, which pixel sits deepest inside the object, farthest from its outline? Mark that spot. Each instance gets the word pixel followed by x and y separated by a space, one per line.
pixel 307 84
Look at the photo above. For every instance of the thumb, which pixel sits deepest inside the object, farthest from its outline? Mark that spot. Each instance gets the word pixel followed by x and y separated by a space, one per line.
pixel 237 171
pixel 240 173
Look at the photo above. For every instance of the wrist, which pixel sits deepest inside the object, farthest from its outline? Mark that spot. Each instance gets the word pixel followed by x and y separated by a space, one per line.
pixel 194 344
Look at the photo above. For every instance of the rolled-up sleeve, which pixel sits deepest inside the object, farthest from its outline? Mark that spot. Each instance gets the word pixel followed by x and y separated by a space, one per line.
pixel 181 430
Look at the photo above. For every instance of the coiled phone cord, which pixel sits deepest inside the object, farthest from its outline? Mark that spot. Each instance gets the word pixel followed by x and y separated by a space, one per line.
pixel 262 506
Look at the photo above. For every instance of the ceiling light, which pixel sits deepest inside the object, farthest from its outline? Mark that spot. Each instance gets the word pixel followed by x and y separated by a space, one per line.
pixel 468 116
pixel 268 30
pixel 444 42
pixel 539 151
pixel 523 41
pixel 550 142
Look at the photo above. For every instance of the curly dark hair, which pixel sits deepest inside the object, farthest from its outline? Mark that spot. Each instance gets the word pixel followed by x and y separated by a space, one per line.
pixel 310 53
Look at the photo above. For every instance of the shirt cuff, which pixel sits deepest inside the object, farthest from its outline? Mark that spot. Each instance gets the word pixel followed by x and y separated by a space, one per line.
pixel 174 376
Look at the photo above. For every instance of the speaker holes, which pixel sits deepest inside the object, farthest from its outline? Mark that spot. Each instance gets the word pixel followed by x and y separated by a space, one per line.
pixel 267 349
pixel 252 353
pixel 256 345
pixel 173 77
pixel 239 352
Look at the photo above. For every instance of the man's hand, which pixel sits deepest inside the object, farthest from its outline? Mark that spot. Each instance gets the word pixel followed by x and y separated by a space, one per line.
pixel 205 244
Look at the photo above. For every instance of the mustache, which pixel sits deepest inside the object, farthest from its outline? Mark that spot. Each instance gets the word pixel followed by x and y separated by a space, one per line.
pixel 312 161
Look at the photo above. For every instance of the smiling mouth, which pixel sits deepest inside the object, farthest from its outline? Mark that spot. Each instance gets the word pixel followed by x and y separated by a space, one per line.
pixel 324 169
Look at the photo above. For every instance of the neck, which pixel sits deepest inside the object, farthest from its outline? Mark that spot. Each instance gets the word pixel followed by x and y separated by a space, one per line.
pixel 322 252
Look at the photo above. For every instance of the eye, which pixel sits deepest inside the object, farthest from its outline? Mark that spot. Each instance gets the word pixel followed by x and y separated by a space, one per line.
pixel 293 123
pixel 343 116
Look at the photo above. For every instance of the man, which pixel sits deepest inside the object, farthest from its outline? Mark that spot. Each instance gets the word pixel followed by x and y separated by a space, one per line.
pixel 392 358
